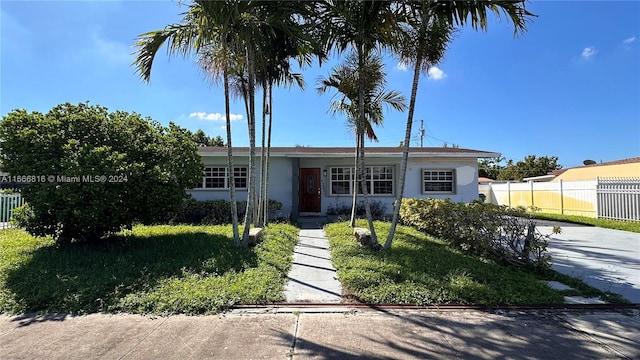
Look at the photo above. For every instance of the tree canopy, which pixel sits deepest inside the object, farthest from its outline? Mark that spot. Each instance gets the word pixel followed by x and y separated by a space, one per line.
pixel 91 172
pixel 529 167
pixel 201 139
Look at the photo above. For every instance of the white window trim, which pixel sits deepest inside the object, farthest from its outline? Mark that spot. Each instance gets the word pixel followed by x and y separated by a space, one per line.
pixel 330 181
pixel 226 178
pixel 454 182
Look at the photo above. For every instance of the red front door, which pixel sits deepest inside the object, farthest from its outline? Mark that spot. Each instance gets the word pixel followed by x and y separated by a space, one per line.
pixel 310 190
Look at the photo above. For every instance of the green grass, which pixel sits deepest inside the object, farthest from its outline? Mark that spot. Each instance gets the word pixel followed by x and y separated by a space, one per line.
pixel 151 269
pixel 422 270
pixel 604 223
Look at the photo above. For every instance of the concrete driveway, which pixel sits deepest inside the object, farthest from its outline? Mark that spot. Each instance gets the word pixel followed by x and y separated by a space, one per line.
pixel 603 258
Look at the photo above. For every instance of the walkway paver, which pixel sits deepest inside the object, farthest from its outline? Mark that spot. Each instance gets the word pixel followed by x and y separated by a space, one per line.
pixel 312 277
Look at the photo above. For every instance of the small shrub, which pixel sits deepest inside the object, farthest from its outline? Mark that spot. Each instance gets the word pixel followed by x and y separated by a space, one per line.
pixel 339 209
pixel 211 212
pixel 498 232
pixel 377 208
pixel 22 216
pixel 195 212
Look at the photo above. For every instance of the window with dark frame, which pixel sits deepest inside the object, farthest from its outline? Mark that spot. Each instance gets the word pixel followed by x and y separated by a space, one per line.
pixel 341 180
pixel 240 177
pixel 216 177
pixel 438 181
pixel 379 180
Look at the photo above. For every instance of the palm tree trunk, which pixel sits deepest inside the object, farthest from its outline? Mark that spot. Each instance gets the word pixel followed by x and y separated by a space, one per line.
pixel 232 185
pixel 360 148
pixel 261 200
pixel 266 179
pixel 405 150
pixel 354 203
pixel 248 216
pixel 365 193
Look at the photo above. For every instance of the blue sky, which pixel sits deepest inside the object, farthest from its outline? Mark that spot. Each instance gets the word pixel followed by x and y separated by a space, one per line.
pixel 569 87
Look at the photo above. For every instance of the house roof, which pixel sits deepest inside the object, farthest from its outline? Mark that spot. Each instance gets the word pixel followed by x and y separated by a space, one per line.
pixel 485 179
pixel 615 162
pixel 300 151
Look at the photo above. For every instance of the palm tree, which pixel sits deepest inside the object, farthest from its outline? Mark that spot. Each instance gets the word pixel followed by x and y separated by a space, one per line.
pixel 345 79
pixel 218 63
pixel 423 45
pixel 195 35
pixel 275 69
pixel 365 26
pixel 259 23
pixel 218 24
pixel 428 28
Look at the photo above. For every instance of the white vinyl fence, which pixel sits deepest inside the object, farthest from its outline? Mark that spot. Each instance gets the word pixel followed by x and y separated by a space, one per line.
pixel 8 202
pixel 608 198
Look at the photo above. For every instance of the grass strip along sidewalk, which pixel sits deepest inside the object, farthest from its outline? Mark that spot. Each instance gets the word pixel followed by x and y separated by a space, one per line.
pixel 603 223
pixel 421 270
pixel 151 269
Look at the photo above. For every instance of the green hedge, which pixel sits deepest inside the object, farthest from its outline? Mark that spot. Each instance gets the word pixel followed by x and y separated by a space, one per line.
pixel 211 212
pixel 377 208
pixel 497 232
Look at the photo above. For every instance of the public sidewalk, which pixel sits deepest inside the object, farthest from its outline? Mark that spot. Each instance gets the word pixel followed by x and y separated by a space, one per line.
pixel 312 277
pixel 368 334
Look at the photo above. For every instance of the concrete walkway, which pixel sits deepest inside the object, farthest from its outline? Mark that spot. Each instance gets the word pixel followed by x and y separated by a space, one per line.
pixel 364 334
pixel 606 259
pixel 312 277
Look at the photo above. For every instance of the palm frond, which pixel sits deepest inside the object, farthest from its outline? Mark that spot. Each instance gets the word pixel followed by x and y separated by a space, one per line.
pixel 147 46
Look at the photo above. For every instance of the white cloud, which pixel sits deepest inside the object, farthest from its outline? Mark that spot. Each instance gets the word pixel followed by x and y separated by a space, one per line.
pixel 112 51
pixel 19 39
pixel 213 116
pixel 436 73
pixel 589 52
pixel 11 27
pixel 401 66
pixel 629 40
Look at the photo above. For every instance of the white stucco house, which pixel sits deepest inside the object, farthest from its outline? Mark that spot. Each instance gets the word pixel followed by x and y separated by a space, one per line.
pixel 307 180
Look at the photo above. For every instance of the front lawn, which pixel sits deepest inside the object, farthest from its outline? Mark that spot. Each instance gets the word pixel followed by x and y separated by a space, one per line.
pixel 151 269
pixel 422 270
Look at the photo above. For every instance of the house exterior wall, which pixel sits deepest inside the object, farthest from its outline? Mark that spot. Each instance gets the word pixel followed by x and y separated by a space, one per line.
pixel 591 172
pixel 280 178
pixel 283 181
pixel 466 175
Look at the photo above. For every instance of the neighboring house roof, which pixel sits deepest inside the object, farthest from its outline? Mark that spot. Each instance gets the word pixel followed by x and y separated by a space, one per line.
pixel 615 162
pixel 448 152
pixel 485 180
pixel 619 168
pixel 556 172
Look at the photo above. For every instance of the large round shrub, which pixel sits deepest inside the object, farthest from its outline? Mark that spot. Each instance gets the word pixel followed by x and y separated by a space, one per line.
pixel 91 172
